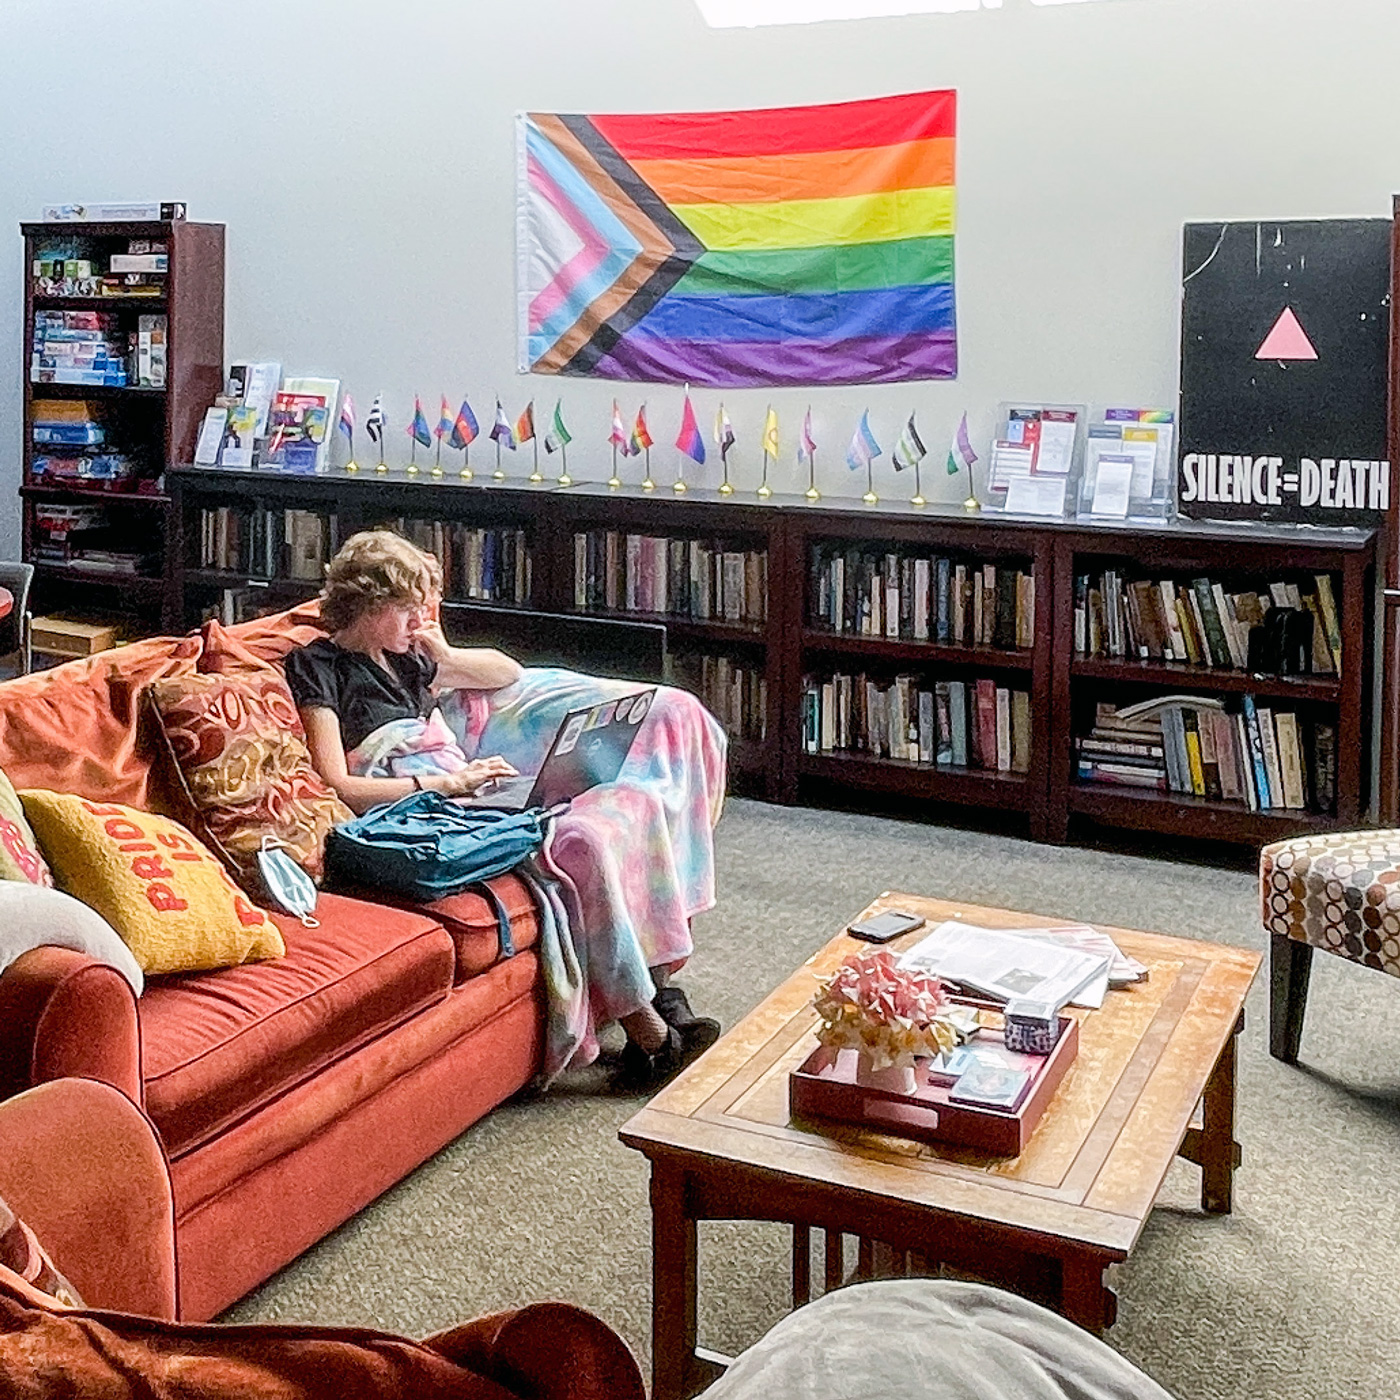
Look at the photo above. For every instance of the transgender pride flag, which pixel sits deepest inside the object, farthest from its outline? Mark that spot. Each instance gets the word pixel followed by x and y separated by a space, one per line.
pixel 799 245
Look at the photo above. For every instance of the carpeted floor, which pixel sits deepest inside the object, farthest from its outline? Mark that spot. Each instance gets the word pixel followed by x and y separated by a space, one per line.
pixel 1291 1298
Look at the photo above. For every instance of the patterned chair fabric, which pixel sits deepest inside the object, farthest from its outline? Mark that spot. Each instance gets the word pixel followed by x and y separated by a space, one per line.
pixel 1339 892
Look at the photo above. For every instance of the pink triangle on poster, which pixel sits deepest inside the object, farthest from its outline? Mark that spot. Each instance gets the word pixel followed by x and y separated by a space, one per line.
pixel 1287 341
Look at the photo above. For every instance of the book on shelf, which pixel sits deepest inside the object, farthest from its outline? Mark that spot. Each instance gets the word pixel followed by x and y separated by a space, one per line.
pixel 736 694
pixel 489 564
pixel 941 724
pixel 863 591
pixel 703 580
pixel 1273 628
pixel 266 542
pixel 1198 746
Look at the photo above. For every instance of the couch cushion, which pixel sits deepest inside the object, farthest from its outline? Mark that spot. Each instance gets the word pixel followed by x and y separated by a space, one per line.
pixel 471 921
pixel 237 746
pixel 76 728
pixel 216 1046
pixel 168 897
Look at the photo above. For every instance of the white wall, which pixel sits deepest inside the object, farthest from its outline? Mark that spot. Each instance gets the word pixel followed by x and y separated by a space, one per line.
pixel 362 156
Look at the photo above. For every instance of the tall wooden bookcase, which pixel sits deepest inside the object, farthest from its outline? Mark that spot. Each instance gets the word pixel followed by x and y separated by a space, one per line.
pixel 155 426
pixel 787 646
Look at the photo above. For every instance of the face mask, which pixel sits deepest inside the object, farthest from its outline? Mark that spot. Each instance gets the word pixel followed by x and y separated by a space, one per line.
pixel 289 887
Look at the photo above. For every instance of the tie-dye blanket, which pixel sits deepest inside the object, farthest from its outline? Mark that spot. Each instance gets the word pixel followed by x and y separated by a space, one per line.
pixel 625 868
pixel 405 747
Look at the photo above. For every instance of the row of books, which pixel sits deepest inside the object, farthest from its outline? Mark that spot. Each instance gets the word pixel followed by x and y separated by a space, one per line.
pixel 492 563
pixel 913 597
pixel 267 542
pixel 705 580
pixel 949 724
pixel 1194 746
pixel 1198 622
pixel 735 694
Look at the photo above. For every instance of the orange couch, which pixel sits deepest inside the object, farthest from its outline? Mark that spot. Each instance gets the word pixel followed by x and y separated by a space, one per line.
pixel 287 1094
pixel 85 1172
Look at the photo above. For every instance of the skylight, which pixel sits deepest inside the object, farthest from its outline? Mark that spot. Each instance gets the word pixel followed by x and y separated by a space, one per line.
pixel 750 14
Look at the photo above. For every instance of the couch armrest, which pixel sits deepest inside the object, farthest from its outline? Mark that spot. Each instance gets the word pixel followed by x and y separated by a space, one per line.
pixel 63 1015
pixel 84 1169
pixel 549 1351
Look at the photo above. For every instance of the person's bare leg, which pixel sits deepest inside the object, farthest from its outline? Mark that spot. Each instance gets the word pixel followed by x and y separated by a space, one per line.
pixel 646 1029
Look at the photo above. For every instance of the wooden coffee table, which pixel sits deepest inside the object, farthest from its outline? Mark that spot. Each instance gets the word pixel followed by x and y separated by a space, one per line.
pixel 1047 1223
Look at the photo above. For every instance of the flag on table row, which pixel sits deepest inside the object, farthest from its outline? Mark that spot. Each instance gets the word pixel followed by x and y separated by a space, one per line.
pixel 501 430
pixel 909 451
pixel 863 449
pixel 558 437
pixel 689 440
pixel 524 430
pixel 464 427
pixel 724 434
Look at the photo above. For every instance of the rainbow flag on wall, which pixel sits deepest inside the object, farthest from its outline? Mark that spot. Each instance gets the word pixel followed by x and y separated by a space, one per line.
pixel 797 245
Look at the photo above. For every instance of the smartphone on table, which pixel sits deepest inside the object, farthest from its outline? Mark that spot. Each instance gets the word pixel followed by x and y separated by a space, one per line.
pixel 880 928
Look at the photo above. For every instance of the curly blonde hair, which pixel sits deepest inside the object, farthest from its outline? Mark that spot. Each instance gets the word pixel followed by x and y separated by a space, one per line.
pixel 376 567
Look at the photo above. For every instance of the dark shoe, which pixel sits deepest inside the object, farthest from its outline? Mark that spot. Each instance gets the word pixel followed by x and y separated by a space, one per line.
pixel 697 1032
pixel 643 1073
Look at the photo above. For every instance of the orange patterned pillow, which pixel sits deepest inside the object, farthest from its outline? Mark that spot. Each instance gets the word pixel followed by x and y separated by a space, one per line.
pixel 237 743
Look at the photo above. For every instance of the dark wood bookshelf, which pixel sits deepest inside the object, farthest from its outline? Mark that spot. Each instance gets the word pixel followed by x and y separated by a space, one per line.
pixel 786 647
pixel 155 426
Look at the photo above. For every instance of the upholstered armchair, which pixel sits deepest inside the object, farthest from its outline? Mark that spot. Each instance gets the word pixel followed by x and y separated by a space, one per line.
pixel 1339 892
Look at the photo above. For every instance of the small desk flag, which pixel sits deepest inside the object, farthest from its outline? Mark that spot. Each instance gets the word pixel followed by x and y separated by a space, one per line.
pixel 770 433
pixel 724 433
pixel 444 423
pixel 525 424
pixel 347 419
pixel 500 430
pixel 863 449
pixel 807 444
pixel 374 424
pixel 960 454
pixel 558 436
pixel 418 429
pixel 641 438
pixel 464 427
pixel 689 439
pixel 909 451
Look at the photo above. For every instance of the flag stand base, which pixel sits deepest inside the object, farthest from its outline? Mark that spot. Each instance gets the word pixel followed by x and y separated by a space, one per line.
pixel 352 466
pixel 498 475
pixel 870 498
pixel 812 494
pixel 437 469
pixel 648 485
pixel 917 501
pixel 726 488
pixel 466 474
pixel 381 467
pixel 679 487
pixel 765 491
pixel 613 482
pixel 535 477
pixel 565 480
pixel 972 503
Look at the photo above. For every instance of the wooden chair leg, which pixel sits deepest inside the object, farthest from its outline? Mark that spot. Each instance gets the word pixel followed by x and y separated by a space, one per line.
pixel 1290 962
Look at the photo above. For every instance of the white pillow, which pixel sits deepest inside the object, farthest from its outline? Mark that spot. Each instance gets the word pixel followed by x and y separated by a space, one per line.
pixel 31 916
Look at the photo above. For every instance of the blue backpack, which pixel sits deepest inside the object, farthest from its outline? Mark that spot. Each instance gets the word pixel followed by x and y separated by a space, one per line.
pixel 426 847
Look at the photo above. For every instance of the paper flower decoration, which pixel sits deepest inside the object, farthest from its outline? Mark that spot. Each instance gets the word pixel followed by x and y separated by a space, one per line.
pixel 890 1014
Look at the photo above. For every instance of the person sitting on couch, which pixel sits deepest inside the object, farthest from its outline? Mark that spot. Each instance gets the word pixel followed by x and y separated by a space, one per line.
pixel 389 706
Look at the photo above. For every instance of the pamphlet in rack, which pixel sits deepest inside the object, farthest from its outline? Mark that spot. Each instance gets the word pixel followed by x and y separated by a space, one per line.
pixel 1130 465
pixel 1035 458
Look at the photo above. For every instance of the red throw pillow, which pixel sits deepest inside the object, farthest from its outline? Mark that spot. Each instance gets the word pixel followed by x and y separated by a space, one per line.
pixel 239 748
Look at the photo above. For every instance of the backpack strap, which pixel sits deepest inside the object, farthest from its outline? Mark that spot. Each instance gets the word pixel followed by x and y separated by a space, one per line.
pixel 506 943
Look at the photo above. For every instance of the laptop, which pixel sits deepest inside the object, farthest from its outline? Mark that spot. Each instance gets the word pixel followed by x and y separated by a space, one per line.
pixel 589 748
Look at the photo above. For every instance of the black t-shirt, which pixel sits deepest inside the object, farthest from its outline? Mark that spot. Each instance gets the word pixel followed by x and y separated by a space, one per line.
pixel 322 675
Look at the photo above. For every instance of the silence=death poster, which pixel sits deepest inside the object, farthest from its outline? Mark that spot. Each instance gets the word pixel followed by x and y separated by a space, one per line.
pixel 1284 343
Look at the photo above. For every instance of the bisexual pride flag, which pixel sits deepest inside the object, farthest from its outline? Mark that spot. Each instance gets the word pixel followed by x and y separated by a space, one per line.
pixel 797 245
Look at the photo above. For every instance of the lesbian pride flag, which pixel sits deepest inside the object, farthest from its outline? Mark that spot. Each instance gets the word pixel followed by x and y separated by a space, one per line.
pixel 798 245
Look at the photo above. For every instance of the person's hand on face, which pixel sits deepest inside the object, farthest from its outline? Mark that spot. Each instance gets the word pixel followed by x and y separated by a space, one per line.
pixel 428 636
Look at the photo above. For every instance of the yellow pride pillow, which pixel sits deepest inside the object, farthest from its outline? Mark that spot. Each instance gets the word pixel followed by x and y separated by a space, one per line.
pixel 170 900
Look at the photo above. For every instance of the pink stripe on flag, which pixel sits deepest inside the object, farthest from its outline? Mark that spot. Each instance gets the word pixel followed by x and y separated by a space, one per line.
pixel 585 261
